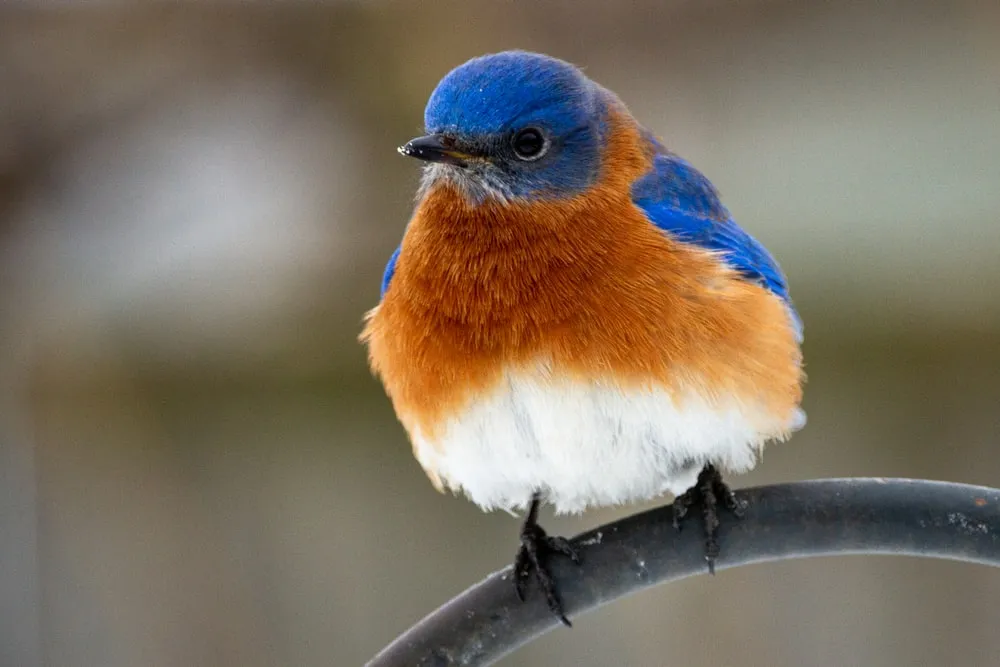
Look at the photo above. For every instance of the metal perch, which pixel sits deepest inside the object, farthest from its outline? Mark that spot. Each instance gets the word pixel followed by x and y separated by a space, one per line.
pixel 817 518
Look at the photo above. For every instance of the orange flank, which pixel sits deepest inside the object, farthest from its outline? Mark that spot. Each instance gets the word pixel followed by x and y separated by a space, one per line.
pixel 586 286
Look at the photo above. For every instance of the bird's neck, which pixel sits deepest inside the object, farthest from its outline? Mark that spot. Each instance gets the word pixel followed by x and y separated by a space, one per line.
pixel 494 262
pixel 479 262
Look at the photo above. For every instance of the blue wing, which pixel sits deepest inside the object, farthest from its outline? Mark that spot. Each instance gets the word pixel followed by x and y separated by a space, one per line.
pixel 678 199
pixel 390 269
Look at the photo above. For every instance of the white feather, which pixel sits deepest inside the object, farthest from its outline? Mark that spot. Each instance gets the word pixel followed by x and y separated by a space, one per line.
pixel 593 444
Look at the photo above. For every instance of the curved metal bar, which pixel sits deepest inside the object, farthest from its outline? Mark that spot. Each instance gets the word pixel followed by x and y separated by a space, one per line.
pixel 816 518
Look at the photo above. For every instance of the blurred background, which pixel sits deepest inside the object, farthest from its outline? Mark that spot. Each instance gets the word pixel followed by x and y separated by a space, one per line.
pixel 196 203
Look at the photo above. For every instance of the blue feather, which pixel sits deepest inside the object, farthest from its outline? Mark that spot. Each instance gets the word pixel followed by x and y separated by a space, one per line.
pixel 681 201
pixel 390 269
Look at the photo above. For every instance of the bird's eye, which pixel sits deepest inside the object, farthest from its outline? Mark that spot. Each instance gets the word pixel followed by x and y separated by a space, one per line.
pixel 529 144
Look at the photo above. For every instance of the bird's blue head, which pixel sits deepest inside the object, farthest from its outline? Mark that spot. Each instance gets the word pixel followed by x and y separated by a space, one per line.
pixel 513 125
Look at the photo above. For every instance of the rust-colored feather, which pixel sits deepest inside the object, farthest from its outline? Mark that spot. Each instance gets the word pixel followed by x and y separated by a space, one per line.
pixel 586 285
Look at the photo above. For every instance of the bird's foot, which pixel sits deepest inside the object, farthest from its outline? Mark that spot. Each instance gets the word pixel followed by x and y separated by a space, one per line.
pixel 533 556
pixel 708 491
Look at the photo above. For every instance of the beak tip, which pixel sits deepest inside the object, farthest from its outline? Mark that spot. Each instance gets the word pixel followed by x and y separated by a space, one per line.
pixel 433 148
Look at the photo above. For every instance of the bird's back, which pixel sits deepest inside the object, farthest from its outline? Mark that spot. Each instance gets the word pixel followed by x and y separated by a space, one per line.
pixel 681 201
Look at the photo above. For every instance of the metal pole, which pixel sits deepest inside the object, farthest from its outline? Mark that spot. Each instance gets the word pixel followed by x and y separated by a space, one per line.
pixel 816 518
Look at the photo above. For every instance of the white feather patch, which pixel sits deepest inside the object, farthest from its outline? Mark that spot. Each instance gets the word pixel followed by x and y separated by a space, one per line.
pixel 584 445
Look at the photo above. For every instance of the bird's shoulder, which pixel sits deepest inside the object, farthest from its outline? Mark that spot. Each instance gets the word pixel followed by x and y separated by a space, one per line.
pixel 681 201
pixel 390 269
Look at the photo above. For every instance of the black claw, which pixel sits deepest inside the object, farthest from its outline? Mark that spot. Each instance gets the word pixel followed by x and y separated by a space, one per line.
pixel 562 545
pixel 732 503
pixel 708 491
pixel 522 569
pixel 532 558
pixel 682 504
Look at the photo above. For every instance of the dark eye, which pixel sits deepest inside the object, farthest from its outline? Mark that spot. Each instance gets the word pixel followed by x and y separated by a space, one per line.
pixel 529 144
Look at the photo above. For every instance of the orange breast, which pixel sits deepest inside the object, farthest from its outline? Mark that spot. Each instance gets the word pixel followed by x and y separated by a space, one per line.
pixel 586 285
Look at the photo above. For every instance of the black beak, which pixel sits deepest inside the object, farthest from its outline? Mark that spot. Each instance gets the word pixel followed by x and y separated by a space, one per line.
pixel 435 148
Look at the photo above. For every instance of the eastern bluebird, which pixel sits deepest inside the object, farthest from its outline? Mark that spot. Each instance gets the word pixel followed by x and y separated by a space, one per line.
pixel 573 316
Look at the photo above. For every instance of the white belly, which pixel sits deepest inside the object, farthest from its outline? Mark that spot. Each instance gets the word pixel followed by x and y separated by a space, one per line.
pixel 592 444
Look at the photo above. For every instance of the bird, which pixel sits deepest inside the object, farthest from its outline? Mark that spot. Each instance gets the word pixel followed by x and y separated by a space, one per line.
pixel 572 316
